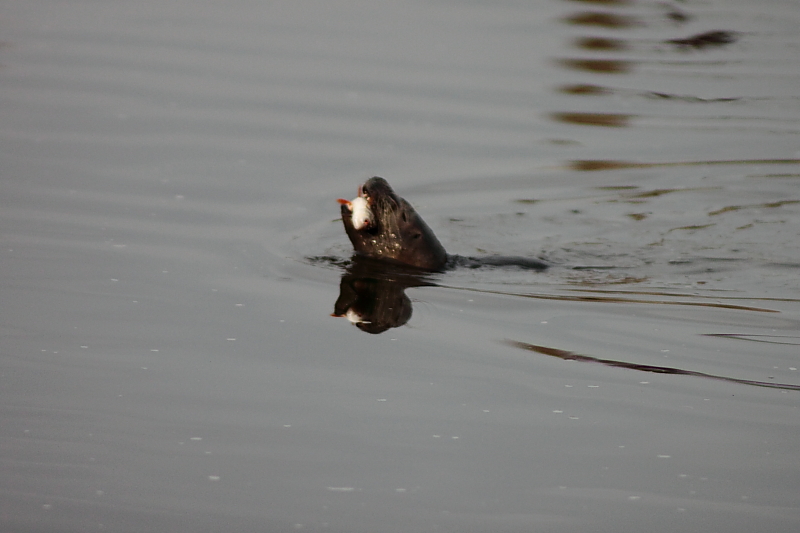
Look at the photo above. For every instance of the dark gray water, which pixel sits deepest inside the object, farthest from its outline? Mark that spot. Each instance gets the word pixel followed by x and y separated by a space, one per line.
pixel 170 256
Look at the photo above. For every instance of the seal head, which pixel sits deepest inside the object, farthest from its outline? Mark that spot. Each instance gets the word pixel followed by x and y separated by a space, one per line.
pixel 384 226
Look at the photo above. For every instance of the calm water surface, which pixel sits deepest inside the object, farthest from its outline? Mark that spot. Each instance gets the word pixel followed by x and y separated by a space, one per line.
pixel 170 256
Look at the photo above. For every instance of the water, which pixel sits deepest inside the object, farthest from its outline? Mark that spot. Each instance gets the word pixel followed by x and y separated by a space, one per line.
pixel 170 257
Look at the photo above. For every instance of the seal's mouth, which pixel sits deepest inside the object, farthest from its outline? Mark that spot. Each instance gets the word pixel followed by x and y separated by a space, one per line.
pixel 360 211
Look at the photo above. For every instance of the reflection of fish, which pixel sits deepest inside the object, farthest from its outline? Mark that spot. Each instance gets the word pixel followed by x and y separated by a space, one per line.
pixel 571 356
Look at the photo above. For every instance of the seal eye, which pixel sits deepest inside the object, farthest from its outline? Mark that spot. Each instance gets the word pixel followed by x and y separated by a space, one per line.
pixel 405 219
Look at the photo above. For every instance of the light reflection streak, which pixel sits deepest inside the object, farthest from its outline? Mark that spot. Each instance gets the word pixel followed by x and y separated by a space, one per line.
pixel 571 356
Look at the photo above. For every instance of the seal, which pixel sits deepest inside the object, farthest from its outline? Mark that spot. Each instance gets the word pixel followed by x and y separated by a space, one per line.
pixel 382 225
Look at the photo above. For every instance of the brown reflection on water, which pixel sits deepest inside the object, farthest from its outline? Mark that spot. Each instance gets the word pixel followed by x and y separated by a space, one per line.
pixel 600 164
pixel 654 193
pixel 676 15
pixel 609 120
pixel 602 19
pixel 708 39
pixel 689 98
pixel 768 205
pixel 600 43
pixel 691 228
pixel 584 89
pixel 787 175
pixel 625 300
pixel 768 339
pixel 604 2
pixel 597 66
pixel 618 299
pixel 617 18
pixel 571 356
pixel 588 89
pixel 672 294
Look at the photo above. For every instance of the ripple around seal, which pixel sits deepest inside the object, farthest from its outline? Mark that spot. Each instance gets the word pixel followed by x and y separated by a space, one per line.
pixel 168 177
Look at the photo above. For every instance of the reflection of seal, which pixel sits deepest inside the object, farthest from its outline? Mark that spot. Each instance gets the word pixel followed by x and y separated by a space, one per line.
pixel 372 294
pixel 381 225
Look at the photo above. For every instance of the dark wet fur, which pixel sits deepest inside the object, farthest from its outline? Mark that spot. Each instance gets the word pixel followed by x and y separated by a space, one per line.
pixel 398 234
pixel 375 291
